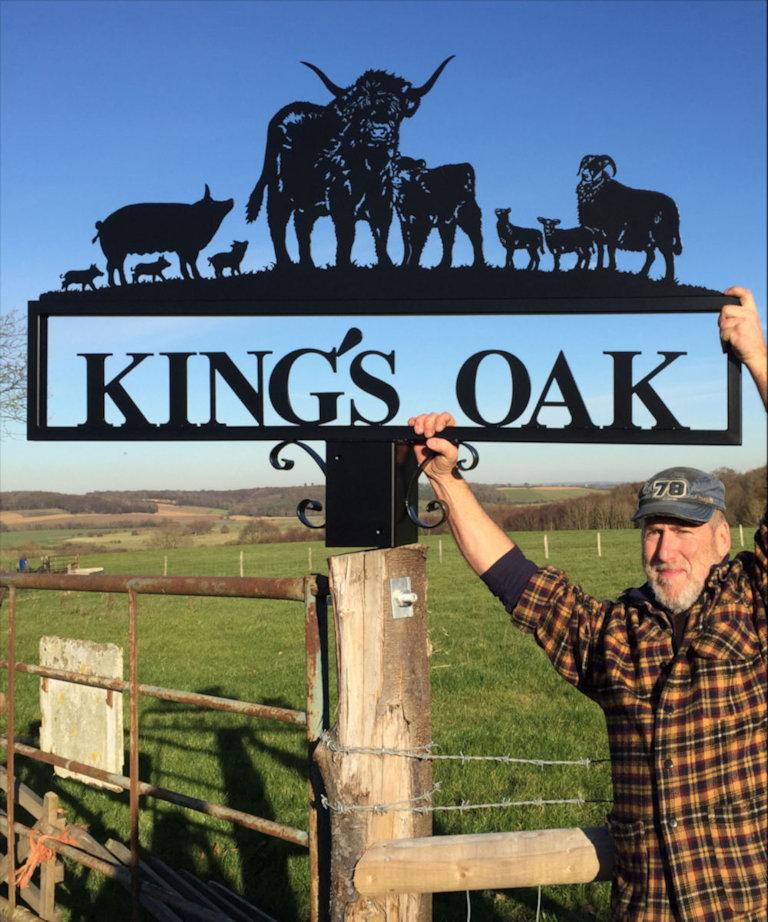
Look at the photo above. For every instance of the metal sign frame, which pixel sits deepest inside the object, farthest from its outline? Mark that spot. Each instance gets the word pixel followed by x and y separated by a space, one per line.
pixel 101 305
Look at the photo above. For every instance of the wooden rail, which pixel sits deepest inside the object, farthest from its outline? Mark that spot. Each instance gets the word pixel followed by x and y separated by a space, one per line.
pixel 499 860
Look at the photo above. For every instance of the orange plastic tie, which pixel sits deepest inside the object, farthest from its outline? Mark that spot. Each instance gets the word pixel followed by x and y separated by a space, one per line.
pixel 38 854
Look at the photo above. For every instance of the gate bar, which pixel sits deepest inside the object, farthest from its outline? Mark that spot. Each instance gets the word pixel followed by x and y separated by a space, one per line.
pixel 268 827
pixel 213 702
pixel 242 587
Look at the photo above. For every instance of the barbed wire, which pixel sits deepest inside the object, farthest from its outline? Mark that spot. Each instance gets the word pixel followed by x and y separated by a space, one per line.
pixel 425 753
pixel 416 805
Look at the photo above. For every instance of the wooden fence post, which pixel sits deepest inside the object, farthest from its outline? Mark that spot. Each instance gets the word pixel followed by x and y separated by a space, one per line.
pixel 384 704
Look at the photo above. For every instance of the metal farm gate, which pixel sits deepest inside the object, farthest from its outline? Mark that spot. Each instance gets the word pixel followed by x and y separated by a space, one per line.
pixel 311 591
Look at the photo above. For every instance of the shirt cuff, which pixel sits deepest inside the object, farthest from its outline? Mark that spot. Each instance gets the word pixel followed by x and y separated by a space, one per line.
pixel 508 577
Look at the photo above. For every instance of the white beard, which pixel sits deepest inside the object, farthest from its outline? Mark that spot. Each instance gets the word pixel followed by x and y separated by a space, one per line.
pixel 680 602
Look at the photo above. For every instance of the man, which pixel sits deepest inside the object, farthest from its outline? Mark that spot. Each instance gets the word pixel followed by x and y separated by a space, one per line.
pixel 679 668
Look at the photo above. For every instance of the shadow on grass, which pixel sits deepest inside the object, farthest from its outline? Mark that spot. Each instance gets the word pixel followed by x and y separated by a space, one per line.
pixel 257 860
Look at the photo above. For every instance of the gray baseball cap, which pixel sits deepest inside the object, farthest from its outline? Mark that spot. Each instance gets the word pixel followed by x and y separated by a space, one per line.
pixel 681 493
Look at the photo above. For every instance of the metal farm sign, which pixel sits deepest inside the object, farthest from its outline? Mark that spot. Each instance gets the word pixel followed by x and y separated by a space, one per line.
pixel 342 160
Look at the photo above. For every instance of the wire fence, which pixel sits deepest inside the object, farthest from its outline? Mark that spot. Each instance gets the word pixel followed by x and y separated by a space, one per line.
pixel 422 802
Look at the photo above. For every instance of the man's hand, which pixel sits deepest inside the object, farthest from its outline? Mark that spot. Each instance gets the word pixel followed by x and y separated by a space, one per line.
pixel 478 537
pixel 443 454
pixel 740 329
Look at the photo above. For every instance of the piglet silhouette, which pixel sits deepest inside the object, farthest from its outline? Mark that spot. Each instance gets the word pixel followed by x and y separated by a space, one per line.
pixel 160 226
pixel 81 277
pixel 154 269
pixel 220 261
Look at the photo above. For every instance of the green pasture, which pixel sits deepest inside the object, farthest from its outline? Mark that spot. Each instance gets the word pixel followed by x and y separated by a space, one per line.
pixel 494 694
pixel 38 541
pixel 529 495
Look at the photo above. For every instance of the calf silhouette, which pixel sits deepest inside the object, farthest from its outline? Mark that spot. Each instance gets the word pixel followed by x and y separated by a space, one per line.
pixel 441 197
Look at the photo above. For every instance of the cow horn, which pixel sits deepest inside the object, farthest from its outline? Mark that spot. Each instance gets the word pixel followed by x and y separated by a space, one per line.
pixel 417 92
pixel 207 192
pixel 336 90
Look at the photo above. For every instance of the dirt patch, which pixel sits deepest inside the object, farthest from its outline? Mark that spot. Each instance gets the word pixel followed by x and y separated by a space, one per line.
pixel 16 520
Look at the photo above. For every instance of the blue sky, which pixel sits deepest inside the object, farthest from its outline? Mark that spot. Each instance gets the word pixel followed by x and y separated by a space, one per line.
pixel 108 103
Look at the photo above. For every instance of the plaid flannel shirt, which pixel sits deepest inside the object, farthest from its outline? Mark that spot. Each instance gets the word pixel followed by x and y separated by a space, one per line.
pixel 687 725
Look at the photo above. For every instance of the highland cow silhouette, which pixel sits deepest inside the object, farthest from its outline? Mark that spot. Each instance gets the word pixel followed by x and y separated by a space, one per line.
pixel 441 197
pixel 160 226
pixel 628 219
pixel 336 160
pixel 81 277
pixel 220 261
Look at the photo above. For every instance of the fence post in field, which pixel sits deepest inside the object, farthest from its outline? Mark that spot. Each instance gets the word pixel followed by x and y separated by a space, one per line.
pixel 384 704
pixel 599 548
pixel 546 548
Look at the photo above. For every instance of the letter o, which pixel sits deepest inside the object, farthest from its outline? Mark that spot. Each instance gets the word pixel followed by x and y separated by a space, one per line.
pixel 466 387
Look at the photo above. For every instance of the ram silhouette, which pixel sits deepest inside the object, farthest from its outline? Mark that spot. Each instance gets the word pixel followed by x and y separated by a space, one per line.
pixel 625 218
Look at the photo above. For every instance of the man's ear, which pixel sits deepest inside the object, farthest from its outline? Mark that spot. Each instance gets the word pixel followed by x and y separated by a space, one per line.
pixel 723 538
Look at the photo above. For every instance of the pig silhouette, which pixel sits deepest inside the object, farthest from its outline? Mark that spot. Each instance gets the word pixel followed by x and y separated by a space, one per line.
pixel 154 269
pixel 80 277
pixel 159 226
pixel 220 261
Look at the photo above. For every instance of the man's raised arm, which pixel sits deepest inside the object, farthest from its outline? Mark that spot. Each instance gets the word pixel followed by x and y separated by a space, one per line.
pixel 740 329
pixel 478 537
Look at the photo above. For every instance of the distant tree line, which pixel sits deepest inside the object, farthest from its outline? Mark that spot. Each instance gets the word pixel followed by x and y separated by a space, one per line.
pixel 613 508
pixel 745 502
pixel 107 502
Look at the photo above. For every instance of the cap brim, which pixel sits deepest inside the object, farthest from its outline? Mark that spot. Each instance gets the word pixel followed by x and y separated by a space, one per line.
pixel 694 513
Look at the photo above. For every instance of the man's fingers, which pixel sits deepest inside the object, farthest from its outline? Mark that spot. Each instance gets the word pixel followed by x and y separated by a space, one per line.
pixel 429 424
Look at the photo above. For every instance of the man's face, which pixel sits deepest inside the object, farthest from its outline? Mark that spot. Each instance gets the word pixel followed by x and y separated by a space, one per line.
pixel 677 558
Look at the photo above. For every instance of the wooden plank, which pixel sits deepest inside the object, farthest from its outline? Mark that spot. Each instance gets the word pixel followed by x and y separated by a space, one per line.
pixel 487 861
pixel 51 871
pixel 236 904
pixel 156 908
pixel 179 882
pixel 87 843
pixel 204 893
pixel 31 896
pixel 24 796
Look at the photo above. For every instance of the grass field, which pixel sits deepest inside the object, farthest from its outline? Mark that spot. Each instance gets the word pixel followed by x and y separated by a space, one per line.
pixel 494 693
pixel 528 495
